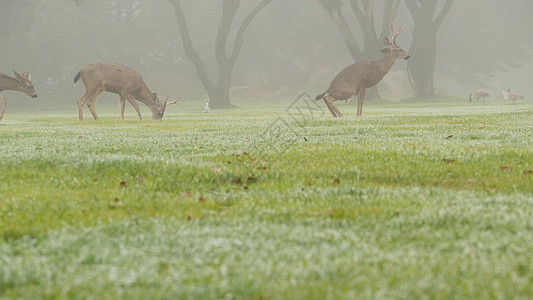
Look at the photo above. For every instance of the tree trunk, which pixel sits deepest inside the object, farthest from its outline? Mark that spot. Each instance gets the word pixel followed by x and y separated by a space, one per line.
pixel 423 50
pixel 421 67
pixel 220 96
pixel 371 52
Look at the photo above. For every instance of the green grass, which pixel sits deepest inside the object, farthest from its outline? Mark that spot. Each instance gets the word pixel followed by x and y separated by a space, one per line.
pixel 415 200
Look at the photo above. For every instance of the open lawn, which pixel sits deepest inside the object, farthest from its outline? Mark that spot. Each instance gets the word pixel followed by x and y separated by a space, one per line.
pixel 269 201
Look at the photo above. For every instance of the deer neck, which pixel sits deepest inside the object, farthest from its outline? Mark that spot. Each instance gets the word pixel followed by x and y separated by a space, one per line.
pixel 386 63
pixel 145 96
pixel 8 83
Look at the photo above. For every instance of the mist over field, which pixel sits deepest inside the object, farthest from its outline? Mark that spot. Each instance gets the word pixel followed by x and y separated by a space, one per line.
pixel 248 188
pixel 289 46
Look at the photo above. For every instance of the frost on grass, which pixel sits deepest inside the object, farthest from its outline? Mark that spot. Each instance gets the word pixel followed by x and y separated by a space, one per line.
pixel 390 227
pixel 209 259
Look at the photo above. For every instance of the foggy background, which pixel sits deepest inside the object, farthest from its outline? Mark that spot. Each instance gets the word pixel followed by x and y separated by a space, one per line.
pixel 292 45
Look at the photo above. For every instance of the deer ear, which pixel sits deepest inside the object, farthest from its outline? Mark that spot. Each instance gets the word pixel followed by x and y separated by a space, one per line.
pixel 386 41
pixel 384 50
pixel 19 77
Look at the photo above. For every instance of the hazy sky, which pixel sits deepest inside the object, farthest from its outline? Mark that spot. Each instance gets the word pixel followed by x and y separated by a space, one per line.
pixel 291 45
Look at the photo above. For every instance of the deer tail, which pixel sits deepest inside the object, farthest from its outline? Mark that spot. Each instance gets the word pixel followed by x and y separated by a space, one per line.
pixel 321 96
pixel 77 77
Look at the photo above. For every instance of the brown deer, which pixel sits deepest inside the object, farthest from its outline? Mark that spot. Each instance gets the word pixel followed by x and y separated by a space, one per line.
pixel 479 94
pixel 356 78
pixel 21 83
pixel 123 81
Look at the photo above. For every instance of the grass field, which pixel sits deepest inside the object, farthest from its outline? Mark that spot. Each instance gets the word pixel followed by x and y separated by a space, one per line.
pixel 269 201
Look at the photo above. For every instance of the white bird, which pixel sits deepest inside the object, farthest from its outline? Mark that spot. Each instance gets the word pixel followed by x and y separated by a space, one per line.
pixel 206 108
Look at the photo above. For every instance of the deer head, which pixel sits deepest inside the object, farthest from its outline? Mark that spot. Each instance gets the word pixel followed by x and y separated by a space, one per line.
pixel 392 48
pixel 159 109
pixel 25 84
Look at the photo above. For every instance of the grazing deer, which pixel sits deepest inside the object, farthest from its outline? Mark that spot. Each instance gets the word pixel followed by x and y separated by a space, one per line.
pixel 356 78
pixel 511 96
pixel 118 79
pixel 21 83
pixel 479 94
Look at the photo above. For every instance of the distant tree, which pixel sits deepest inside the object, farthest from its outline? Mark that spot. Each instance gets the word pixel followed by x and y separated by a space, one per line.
pixel 423 50
pixel 480 41
pixel 218 92
pixel 290 50
pixel 54 39
pixel 11 16
pixel 364 12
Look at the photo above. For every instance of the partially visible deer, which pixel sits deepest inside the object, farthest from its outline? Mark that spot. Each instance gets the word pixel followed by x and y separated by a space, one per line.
pixel 511 96
pixel 479 94
pixel 21 83
pixel 356 78
pixel 118 79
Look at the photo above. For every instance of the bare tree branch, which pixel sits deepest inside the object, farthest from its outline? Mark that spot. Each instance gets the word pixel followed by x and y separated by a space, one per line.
pixel 229 8
pixel 218 92
pixel 189 47
pixel 335 12
pixel 445 10
pixel 431 5
pixel 370 26
pixel 239 39
pixel 358 12
pixel 391 8
pixel 413 7
pixel 364 13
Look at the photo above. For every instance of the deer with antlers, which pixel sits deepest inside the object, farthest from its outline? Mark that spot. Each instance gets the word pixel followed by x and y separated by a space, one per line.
pixel 21 83
pixel 118 79
pixel 356 78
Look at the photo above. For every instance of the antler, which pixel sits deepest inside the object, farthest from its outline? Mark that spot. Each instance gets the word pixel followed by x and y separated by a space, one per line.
pixel 169 103
pixel 395 34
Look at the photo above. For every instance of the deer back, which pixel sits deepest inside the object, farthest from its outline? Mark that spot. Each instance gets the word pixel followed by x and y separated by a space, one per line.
pixel 114 78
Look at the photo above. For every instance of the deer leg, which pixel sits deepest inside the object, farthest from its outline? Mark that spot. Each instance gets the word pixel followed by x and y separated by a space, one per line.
pixel 133 103
pixel 4 104
pixel 329 104
pixel 360 100
pixel 92 102
pixel 81 102
pixel 122 105
pixel 339 114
